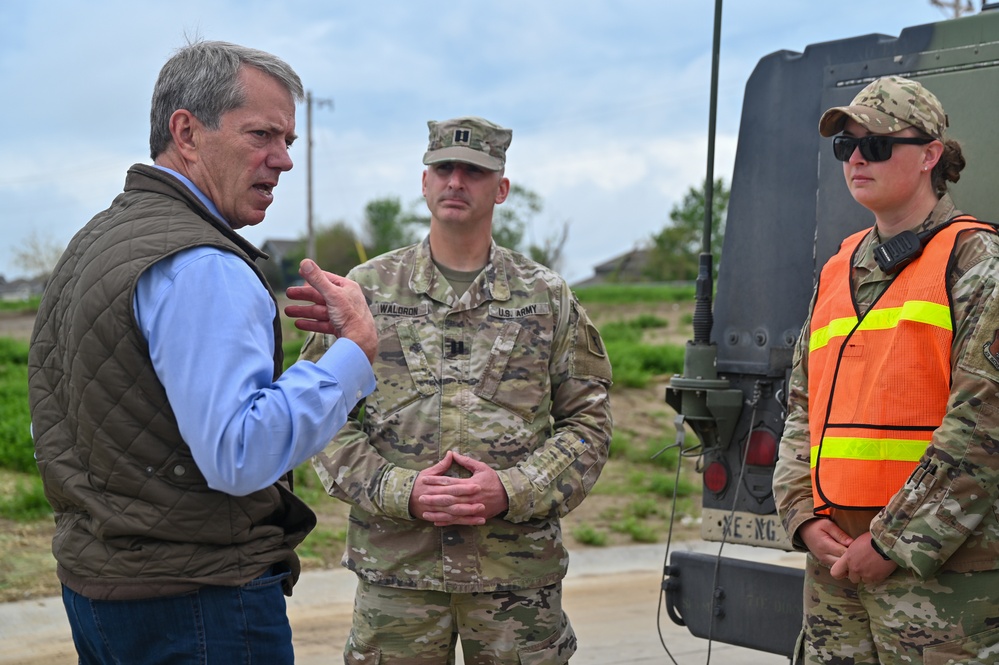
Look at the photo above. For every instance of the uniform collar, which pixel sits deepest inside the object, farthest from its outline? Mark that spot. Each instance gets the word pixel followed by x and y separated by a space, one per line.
pixel 493 282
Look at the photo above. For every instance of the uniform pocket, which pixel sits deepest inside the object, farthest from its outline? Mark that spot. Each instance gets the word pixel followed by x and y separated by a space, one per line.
pixel 403 371
pixel 978 649
pixel 555 650
pixel 516 374
pixel 357 652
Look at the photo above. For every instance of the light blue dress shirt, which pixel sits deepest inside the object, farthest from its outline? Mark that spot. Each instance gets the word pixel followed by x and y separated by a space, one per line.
pixel 209 324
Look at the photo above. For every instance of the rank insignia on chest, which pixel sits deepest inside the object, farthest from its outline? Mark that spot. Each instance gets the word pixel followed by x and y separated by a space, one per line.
pixel 454 347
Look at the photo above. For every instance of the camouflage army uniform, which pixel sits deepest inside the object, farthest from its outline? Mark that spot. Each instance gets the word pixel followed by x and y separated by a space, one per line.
pixel 512 374
pixel 941 528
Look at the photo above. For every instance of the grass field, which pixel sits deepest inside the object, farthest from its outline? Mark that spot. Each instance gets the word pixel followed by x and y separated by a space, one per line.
pixel 644 329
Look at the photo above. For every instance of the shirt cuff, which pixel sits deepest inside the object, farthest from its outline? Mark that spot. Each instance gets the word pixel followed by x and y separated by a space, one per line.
pixel 397 488
pixel 345 361
pixel 877 548
pixel 519 493
pixel 802 514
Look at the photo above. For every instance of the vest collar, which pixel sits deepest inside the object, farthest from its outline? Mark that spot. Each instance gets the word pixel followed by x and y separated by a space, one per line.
pixel 142 177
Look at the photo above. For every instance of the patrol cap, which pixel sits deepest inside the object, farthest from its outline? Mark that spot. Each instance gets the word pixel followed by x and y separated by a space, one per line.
pixel 887 105
pixel 471 140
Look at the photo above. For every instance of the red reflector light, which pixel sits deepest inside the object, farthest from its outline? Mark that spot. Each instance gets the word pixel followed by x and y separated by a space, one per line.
pixel 762 448
pixel 716 477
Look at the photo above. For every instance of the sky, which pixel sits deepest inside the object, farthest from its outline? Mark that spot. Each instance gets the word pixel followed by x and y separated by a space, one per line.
pixel 608 100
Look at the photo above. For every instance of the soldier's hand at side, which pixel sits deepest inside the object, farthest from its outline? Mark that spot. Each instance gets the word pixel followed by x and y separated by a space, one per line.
pixel 862 564
pixel 340 308
pixel 826 541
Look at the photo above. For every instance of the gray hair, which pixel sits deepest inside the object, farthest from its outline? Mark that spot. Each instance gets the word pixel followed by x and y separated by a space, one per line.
pixel 203 77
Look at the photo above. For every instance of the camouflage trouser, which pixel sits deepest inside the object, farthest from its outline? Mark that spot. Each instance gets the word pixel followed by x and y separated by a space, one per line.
pixel 951 618
pixel 410 627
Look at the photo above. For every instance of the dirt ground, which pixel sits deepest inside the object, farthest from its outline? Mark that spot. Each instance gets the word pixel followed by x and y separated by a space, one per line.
pixel 26 564
pixel 16 324
pixel 612 598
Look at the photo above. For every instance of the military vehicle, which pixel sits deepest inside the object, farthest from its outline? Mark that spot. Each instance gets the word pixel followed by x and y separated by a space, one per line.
pixel 788 211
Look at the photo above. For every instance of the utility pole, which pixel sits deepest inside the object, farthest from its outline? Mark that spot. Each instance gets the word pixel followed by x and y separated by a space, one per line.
pixel 310 246
pixel 956 7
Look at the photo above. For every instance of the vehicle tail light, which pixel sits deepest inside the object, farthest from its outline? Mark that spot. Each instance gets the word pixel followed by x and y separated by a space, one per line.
pixel 716 477
pixel 762 448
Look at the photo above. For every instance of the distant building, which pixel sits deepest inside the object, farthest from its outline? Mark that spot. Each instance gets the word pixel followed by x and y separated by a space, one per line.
pixel 280 249
pixel 627 267
pixel 281 269
pixel 21 289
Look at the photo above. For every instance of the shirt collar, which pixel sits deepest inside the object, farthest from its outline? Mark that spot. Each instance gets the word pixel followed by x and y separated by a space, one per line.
pixel 194 190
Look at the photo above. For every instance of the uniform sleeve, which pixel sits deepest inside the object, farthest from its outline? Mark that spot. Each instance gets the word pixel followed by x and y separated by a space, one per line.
pixel 792 475
pixel 350 468
pixel 559 474
pixel 956 484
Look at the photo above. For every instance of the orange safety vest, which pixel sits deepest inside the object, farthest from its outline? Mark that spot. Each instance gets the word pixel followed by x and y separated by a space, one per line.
pixel 878 384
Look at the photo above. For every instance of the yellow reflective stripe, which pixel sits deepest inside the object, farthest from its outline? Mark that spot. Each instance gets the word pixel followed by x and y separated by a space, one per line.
pixel 836 328
pixel 919 311
pixel 868 450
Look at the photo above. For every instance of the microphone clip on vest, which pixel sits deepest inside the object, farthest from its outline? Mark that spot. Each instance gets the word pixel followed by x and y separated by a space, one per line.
pixel 895 253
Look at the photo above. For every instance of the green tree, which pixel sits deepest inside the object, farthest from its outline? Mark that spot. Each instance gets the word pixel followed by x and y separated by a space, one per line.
pixel 276 273
pixel 510 222
pixel 337 248
pixel 37 254
pixel 387 226
pixel 512 217
pixel 549 252
pixel 674 251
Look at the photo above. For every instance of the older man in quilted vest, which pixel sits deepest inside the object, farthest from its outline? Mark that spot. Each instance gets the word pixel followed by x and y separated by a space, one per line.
pixel 164 428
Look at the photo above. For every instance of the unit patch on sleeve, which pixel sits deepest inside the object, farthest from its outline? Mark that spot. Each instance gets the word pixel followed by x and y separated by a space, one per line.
pixel 589 356
pixel 991 350
pixel 981 353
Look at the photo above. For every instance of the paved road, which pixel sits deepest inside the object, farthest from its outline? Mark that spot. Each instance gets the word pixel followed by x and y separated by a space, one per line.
pixel 611 596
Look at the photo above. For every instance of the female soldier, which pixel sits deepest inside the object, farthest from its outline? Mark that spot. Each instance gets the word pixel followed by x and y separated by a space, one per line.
pixel 888 473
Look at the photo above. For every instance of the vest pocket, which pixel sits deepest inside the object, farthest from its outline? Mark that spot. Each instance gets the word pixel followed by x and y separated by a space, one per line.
pixel 178 469
pixel 853 350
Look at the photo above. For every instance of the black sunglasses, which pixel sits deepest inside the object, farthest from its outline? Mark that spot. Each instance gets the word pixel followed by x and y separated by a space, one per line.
pixel 873 148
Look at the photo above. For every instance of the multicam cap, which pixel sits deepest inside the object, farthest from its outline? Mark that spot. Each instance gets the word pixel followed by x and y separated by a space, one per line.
pixel 887 105
pixel 471 140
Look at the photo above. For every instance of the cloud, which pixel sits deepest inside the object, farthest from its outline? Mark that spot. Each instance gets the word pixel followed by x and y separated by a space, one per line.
pixel 608 100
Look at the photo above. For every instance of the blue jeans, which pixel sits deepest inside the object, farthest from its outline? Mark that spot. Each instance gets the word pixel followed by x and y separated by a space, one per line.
pixel 211 626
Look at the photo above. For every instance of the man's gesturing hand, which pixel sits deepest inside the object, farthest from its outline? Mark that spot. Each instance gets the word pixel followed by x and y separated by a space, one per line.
pixel 340 308
pixel 445 500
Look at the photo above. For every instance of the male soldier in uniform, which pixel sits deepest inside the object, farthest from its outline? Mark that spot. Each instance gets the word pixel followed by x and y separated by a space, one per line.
pixel 490 421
